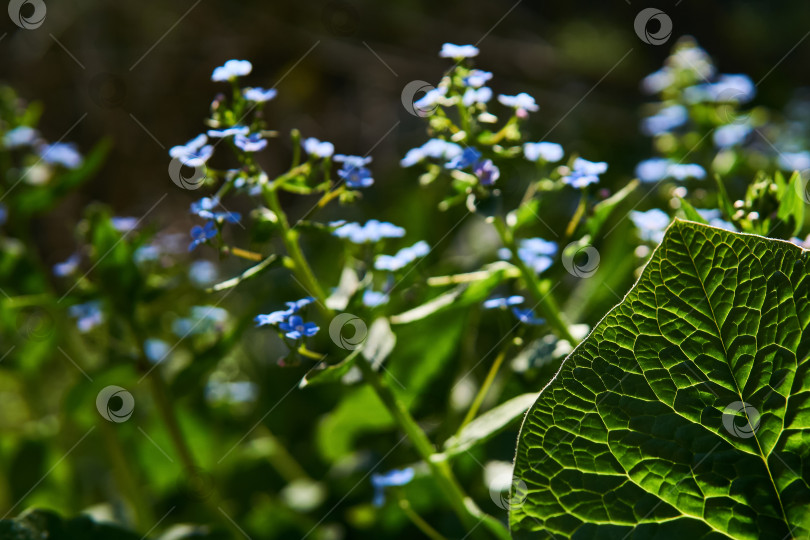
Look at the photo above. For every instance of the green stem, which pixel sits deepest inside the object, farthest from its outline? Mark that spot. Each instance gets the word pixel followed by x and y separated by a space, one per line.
pixel 144 518
pixel 482 392
pixel 301 267
pixel 419 521
pixel 284 463
pixel 546 304
pixel 466 509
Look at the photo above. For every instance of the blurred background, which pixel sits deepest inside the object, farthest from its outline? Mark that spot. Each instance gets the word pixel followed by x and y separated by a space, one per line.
pixel 138 75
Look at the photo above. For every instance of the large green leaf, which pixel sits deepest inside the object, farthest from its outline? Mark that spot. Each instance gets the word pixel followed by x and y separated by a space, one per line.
pixel 637 436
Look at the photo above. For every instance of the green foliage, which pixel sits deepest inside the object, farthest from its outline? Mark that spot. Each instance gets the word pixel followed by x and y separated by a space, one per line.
pixel 638 433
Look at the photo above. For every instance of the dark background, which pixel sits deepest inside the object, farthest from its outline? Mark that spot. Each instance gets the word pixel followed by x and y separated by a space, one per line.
pixel 150 62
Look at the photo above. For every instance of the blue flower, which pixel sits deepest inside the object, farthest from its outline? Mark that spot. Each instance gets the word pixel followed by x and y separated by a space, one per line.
pixel 372 231
pixel 68 267
pixel 64 154
pixel 665 120
pixel 259 95
pixel 651 224
pixel 373 299
pixel 202 273
pixel 477 78
pixel 547 151
pixel 156 350
pixel 200 235
pixel 124 224
pixel 232 69
pixel 278 317
pixel 391 478
pixel 20 136
pixel 404 257
pixel 657 81
pixel 354 171
pixel 728 88
pixel 467 158
pixel 457 52
pixel 87 315
pixel 250 143
pixel 472 96
pixel 500 302
pixel 228 132
pixel 431 98
pixel 3 214
pixel 585 173
pixel 527 316
pixel 203 208
pixel 794 161
pixel 318 149
pixel 656 169
pixel 434 148
pixel 487 172
pixel 730 135
pixel 520 102
pixel 714 217
pixel 537 253
pixel 274 318
pixel 194 153
pixel 296 328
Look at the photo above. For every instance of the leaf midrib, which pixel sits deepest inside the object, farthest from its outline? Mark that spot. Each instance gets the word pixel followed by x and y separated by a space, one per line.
pixel 731 373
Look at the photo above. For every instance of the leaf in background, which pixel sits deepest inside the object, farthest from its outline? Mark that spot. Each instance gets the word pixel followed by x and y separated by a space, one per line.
pixel 603 209
pixel 347 286
pixel 379 343
pixel 329 373
pixel 791 203
pixel 641 431
pixel 690 213
pixel 489 423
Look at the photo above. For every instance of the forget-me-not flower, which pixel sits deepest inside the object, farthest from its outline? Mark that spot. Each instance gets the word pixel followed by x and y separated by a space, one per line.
pixel 585 173
pixel 20 136
pixel 730 135
pixel 124 224
pixel 665 120
pixel 194 153
pixel 200 235
pixel 250 143
pixel 433 148
pixel 354 171
pixel 318 149
pixel 432 97
pixel 794 161
pixel 477 78
pixel 457 52
pixel 391 478
pixel 259 95
pixel 736 88
pixel 500 302
pixel 87 315
pixel 372 231
pixel 651 224
pixel 296 328
pixel 487 172
pixel 480 95
pixel 537 253
pixel 232 69
pixel 64 154
pixel 228 132
pixel 67 267
pixel 3 214
pixel 519 102
pixel 277 317
pixel 403 257
pixel 156 350
pixel 657 169
pixel 467 158
pixel 204 209
pixel 373 299
pixel 547 151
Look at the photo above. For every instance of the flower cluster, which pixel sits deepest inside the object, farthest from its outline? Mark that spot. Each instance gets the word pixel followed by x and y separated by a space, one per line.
pixel 289 322
pixel 523 315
